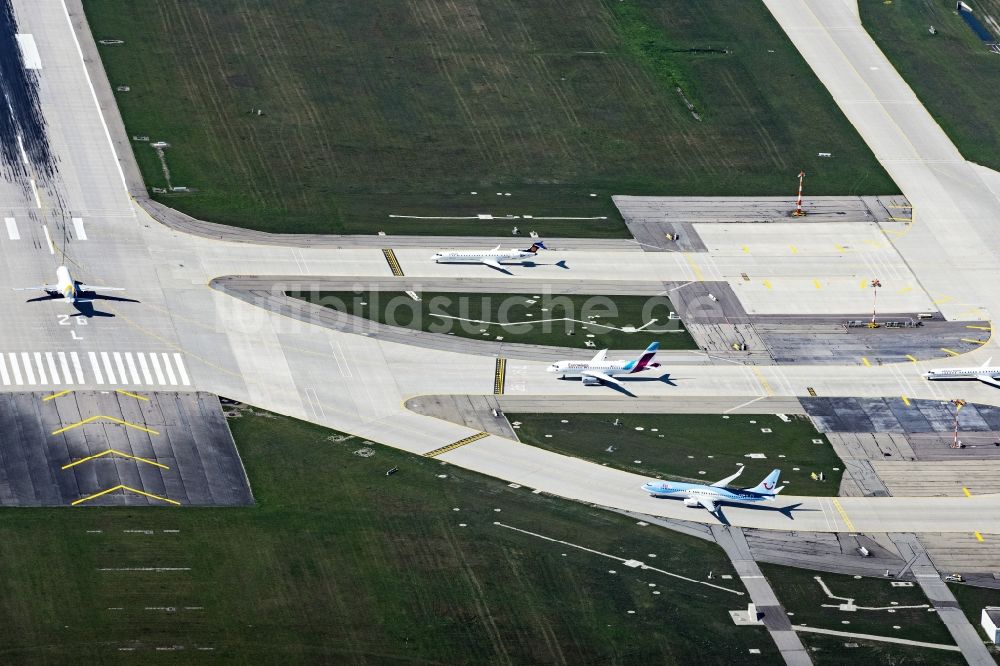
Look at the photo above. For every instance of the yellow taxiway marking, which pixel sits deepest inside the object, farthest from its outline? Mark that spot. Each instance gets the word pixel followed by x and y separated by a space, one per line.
pixel 122 486
pixel 978 342
pixel 746 250
pixel 905 290
pixel 767 283
pixel 865 361
pixel 840 248
pixel 817 284
pixel 912 357
pixel 454 445
pixel 966 491
pixel 901 219
pixel 843 515
pixel 794 249
pixel 980 328
pixel 694 268
pixel 943 299
pixel 109 418
pixel 132 395
pixel 56 395
pixel 864 284
pixel 115 452
pixel 906 401
pixel 979 537
pixel 872 242
pixel 760 378
pixel 390 258
pixel 498 378
pixel 899 206
pixel 950 352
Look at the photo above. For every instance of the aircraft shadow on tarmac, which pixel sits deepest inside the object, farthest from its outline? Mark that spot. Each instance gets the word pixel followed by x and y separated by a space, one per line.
pixel 86 308
pixel 786 511
pixel 665 378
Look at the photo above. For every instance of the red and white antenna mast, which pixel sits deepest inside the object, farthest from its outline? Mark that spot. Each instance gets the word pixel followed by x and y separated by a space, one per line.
pixel 798 202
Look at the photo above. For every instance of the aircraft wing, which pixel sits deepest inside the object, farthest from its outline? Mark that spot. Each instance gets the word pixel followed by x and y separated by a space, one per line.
pixel 987 379
pixel 596 374
pixel 707 503
pixel 41 287
pixel 492 263
pixel 729 479
pixel 94 287
pixel 600 356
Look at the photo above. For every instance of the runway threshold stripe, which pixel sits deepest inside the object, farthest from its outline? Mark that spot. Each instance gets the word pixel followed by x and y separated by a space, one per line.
pixel 130 362
pixel 3 372
pixel 77 367
pixel 29 370
pixel 95 367
pixel 53 373
pixel 390 258
pixel 64 366
pixel 122 378
pixel 498 380
pixel 108 371
pixel 179 360
pixel 15 369
pixel 145 368
pixel 12 232
pixel 157 369
pixel 170 370
pixel 455 445
pixel 81 233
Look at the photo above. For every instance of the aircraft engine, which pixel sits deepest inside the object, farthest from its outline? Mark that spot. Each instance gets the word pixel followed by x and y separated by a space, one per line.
pixel 690 501
pixel 591 381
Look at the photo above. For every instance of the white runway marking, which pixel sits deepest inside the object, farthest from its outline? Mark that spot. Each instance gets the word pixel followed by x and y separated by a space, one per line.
pixel 81 233
pixel 145 368
pixel 77 367
pixel 52 368
pixel 122 378
pixel 171 377
pixel 24 155
pixel 338 355
pixel 108 371
pixel 156 368
pixel 179 360
pixel 29 51
pixel 16 370
pixel 65 368
pixel 48 239
pixel 29 370
pixel 95 367
pixel 12 232
pixel 3 372
pixel 38 199
pixel 131 368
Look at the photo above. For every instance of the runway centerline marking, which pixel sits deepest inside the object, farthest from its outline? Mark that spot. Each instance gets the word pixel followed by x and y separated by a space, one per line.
pixel 81 233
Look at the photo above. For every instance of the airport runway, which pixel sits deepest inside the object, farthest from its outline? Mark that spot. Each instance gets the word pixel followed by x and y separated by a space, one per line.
pixel 180 334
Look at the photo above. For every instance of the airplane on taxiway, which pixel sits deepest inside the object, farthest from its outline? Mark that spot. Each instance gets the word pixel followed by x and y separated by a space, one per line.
pixel 983 373
pixel 492 258
pixel 710 496
pixel 598 370
pixel 68 288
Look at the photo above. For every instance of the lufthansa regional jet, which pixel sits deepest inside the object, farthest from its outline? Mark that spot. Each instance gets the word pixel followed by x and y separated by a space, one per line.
pixel 983 373
pixel 68 288
pixel 598 370
pixel 711 496
pixel 492 258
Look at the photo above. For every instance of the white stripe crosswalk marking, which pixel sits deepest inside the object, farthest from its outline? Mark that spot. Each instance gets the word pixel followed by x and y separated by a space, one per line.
pixel 145 368
pixel 3 372
pixel 53 373
pixel 107 367
pixel 179 360
pixel 131 368
pixel 12 232
pixel 156 368
pixel 122 377
pixel 170 370
pixel 15 369
pixel 95 367
pixel 29 371
pixel 65 368
pixel 77 367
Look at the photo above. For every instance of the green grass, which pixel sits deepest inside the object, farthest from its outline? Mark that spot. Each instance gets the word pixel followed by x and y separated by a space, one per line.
pixel 830 650
pixel 339 563
pixel 513 314
pixel 952 72
pixel 681 446
pixel 973 600
pixel 801 595
pixel 385 107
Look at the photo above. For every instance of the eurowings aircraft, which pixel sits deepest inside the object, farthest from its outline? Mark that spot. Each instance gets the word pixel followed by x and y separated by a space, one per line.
pixel 598 370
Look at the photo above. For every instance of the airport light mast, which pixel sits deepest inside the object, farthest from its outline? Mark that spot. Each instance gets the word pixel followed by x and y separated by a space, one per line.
pixel 875 285
pixel 959 403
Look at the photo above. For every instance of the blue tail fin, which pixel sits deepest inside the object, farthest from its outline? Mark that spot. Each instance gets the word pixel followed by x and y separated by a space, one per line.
pixel 768 485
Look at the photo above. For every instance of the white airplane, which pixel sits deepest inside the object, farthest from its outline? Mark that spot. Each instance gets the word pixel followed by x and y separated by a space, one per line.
pixel 598 370
pixel 492 258
pixel 983 373
pixel 68 288
pixel 710 496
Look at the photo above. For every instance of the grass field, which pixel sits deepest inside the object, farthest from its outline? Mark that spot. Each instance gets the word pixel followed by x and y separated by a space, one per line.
pixel 600 320
pixel 386 107
pixel 803 597
pixel 339 563
pixel 952 72
pixel 682 446
pixel 973 600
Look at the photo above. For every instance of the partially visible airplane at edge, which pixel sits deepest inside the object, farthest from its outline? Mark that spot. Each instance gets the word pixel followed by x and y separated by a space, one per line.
pixel 710 496
pixel 598 370
pixel 68 288
pixel 492 258
pixel 983 373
